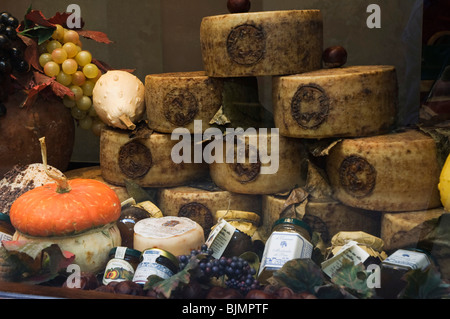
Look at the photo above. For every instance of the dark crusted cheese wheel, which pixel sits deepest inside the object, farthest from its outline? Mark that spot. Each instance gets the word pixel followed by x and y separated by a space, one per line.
pixel 352 101
pixel 145 160
pixel 262 43
pixel 325 216
pixel 404 229
pixel 391 172
pixel 270 164
pixel 178 99
pixel 202 204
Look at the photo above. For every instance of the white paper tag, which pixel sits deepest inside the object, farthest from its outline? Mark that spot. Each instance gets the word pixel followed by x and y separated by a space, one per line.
pixel 350 251
pixel 219 238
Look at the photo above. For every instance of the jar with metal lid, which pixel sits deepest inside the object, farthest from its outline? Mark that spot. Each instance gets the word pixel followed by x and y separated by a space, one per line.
pixel 6 228
pixel 121 265
pixel 232 235
pixel 155 261
pixel 290 239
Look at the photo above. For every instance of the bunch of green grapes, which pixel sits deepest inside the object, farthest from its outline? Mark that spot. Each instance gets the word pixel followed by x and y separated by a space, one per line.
pixel 63 57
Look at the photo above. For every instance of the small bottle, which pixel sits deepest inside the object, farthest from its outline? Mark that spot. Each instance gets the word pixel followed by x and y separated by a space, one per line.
pixel 6 229
pixel 121 265
pixel 290 239
pixel 395 266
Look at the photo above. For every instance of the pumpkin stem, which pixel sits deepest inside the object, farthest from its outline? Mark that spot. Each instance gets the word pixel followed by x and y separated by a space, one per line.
pixel 63 184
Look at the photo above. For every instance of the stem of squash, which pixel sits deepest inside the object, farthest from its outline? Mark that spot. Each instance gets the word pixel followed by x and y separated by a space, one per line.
pixel 62 182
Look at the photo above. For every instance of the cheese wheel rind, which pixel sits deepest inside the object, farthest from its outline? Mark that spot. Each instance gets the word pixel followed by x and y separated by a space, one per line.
pixel 390 172
pixel 262 43
pixel 352 101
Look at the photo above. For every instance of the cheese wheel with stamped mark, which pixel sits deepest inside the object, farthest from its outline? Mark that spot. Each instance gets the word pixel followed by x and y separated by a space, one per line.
pixel 266 163
pixel 404 229
pixel 352 101
pixel 201 205
pixel 145 160
pixel 391 172
pixel 176 100
pixel 262 43
pixel 177 235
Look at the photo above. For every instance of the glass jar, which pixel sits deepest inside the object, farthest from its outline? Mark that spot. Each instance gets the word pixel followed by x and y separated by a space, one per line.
pixel 157 262
pixel 290 239
pixel 121 265
pixel 6 229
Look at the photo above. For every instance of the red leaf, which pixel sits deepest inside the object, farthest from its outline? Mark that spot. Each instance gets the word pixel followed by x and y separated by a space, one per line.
pixel 95 35
pixel 61 90
pixel 38 18
pixel 61 19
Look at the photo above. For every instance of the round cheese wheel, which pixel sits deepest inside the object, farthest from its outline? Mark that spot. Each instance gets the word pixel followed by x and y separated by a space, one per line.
pixel 176 100
pixel 262 43
pixel 177 235
pixel 145 160
pixel 391 172
pixel 404 229
pixel 351 101
pixel 325 216
pixel 202 205
pixel 282 172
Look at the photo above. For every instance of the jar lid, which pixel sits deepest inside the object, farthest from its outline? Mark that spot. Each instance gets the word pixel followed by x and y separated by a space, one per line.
pixel 129 251
pixel 293 221
pixel 164 253
pixel 4 218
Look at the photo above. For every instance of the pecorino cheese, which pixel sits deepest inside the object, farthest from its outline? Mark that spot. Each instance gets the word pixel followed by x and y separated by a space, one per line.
pixel 280 171
pixel 325 216
pixel 404 229
pixel 351 101
pixel 176 100
pixel 145 160
pixel 391 172
pixel 201 205
pixel 262 43
pixel 177 235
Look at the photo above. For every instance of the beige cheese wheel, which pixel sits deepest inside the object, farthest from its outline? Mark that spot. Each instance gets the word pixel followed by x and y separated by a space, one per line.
pixel 352 101
pixel 262 43
pixel 201 205
pixel 177 235
pixel 146 161
pixel 404 229
pixel 391 172
pixel 328 217
pixel 176 100
pixel 282 173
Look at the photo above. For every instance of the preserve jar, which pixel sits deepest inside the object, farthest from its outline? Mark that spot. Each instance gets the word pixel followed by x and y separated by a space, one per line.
pixel 6 228
pixel 121 265
pixel 232 235
pixel 290 239
pixel 155 261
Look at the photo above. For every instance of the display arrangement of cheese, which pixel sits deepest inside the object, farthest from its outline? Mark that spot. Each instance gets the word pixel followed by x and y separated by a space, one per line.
pixel 325 216
pixel 404 229
pixel 352 101
pixel 393 172
pixel 201 205
pixel 177 235
pixel 176 100
pixel 262 43
pixel 263 163
pixel 20 179
pixel 145 160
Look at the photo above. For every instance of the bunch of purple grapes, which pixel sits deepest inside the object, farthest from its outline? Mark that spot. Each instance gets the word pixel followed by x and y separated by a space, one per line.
pixel 239 273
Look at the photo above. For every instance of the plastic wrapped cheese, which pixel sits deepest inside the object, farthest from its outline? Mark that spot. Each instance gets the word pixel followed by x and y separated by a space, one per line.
pixel 177 235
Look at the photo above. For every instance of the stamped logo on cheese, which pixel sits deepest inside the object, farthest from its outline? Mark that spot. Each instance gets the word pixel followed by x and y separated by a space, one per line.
pixel 199 213
pixel 248 170
pixel 246 44
pixel 180 107
pixel 310 106
pixel 135 159
pixel 357 176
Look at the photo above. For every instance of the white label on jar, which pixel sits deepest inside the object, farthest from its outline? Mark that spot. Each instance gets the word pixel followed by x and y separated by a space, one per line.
pixel 120 252
pixel 164 227
pixel 282 247
pixel 408 258
pixel 149 267
pixel 118 270
pixel 350 251
pixel 4 236
pixel 219 238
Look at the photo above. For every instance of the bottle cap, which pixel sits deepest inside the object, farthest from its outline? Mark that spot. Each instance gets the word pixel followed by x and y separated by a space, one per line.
pixel 293 221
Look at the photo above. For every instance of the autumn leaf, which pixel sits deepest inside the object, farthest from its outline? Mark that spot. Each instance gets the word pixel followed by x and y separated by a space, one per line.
pixel 95 35
pixel 38 18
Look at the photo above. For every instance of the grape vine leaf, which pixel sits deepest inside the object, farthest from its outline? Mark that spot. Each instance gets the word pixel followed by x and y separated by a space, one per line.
pixel 353 278
pixel 425 284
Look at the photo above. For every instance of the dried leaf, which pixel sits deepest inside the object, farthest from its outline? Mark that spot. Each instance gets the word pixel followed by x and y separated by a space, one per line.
pixel 425 285
pixel 353 278
pixel 38 18
pixel 95 35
